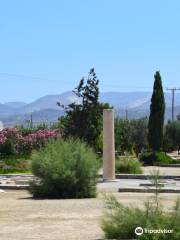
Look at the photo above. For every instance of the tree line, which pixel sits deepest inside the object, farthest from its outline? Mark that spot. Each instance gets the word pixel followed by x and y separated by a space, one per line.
pixel 83 120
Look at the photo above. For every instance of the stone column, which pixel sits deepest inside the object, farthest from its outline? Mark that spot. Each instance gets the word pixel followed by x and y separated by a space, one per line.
pixel 108 145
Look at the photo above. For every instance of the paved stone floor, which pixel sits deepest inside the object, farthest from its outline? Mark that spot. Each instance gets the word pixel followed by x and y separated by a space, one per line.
pixel 22 218
pixel 135 184
pixel 15 179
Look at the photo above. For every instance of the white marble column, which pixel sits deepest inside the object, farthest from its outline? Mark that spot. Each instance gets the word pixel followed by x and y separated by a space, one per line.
pixel 108 145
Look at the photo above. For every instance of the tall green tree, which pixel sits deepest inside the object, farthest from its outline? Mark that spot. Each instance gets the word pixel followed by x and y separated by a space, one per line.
pixel 156 118
pixel 84 120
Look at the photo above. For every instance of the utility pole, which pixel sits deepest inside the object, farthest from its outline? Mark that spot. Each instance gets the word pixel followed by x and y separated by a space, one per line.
pixel 31 121
pixel 173 99
pixel 126 110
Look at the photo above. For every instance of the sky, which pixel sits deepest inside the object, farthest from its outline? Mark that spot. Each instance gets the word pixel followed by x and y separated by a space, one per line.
pixel 47 46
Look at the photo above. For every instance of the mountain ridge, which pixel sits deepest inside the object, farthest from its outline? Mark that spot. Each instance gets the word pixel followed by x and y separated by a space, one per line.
pixel 46 109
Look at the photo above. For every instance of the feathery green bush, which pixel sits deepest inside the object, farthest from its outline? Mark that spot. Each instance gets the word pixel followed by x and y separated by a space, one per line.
pixel 65 169
pixel 126 164
pixel 121 221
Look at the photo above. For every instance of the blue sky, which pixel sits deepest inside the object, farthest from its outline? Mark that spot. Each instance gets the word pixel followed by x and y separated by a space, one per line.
pixel 47 46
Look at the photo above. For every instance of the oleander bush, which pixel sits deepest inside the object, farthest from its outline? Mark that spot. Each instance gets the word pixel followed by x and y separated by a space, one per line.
pixel 155 158
pixel 36 140
pixel 31 128
pixel 128 164
pixel 65 169
pixel 9 138
pixel 14 142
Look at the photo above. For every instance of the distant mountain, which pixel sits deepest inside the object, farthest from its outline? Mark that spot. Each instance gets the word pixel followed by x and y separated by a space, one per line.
pixel 49 102
pixel 15 105
pixel 125 99
pixel 134 99
pixel 5 110
pixel 46 116
pixel 45 109
pixel 135 113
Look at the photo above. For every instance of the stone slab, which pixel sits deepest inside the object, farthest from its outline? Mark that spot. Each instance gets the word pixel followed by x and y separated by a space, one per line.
pixel 148 190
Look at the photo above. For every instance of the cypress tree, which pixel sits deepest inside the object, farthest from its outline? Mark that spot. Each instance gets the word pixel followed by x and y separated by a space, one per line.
pixel 156 118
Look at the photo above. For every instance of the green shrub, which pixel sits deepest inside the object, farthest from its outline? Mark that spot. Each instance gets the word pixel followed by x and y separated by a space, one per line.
pixel 155 158
pixel 14 164
pixel 14 170
pixel 14 159
pixel 8 148
pixel 121 221
pixel 171 136
pixel 128 165
pixel 66 169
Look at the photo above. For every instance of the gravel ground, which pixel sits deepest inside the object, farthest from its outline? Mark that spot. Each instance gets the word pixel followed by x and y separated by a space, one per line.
pixel 173 171
pixel 22 218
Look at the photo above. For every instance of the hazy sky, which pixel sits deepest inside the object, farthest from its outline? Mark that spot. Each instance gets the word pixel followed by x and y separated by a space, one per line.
pixel 46 46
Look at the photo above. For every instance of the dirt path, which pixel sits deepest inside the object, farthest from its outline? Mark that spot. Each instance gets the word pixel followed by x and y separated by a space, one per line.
pixel 22 218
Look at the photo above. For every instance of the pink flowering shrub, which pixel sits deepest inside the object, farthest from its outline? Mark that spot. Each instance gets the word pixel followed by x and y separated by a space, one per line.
pixel 2 138
pixel 9 134
pixel 9 138
pixel 36 140
pixel 13 142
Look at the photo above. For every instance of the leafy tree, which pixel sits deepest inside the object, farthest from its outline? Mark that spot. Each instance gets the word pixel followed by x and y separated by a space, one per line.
pixel 84 120
pixel 172 136
pixel 156 118
pixel 178 117
pixel 122 136
pixel 131 135
pixel 138 134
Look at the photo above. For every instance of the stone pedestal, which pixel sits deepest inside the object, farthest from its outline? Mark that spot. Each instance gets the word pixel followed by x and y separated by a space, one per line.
pixel 108 145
